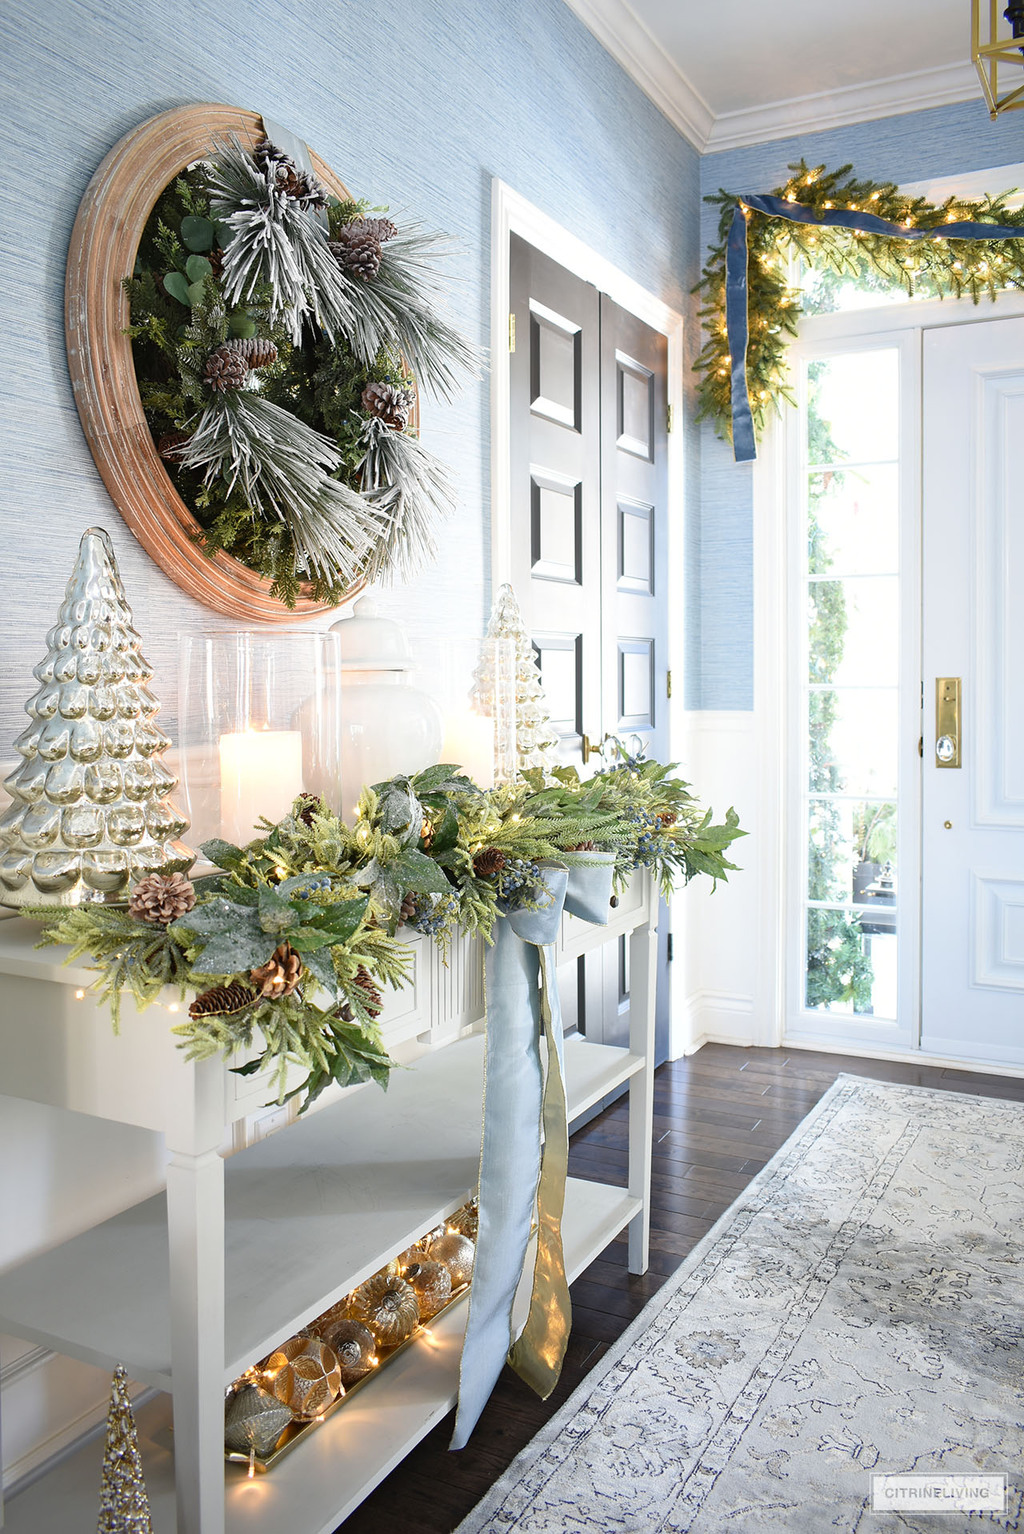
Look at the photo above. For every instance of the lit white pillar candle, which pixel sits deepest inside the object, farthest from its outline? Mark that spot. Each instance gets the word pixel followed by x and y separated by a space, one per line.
pixel 260 774
pixel 469 741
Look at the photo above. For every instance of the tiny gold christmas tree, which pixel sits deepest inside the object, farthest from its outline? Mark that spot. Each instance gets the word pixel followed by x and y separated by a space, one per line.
pixel 536 737
pixel 90 813
pixel 124 1506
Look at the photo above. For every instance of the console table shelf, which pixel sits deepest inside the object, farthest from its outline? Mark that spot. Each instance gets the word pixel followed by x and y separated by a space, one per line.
pixel 191 1286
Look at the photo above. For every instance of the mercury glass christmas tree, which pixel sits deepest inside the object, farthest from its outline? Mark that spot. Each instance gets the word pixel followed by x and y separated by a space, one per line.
pixel 124 1506
pixel 90 812
pixel 536 737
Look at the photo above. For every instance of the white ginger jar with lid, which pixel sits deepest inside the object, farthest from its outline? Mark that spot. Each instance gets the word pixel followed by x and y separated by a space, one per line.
pixel 388 726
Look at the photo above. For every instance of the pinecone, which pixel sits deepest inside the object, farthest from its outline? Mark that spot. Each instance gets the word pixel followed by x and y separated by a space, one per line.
pixel 281 973
pixel 216 260
pixel 388 404
pixel 667 818
pixel 382 229
pixel 226 367
pixel 356 251
pixel 285 177
pixel 372 997
pixel 222 1000
pixel 170 445
pixel 491 861
pixel 161 899
pixel 407 910
pixel 312 805
pixel 258 352
pixel 584 847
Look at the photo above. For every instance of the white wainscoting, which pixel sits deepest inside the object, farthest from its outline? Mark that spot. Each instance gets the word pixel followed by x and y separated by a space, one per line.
pixel 719 992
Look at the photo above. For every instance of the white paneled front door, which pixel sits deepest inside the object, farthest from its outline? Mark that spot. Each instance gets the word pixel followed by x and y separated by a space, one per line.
pixel 972 995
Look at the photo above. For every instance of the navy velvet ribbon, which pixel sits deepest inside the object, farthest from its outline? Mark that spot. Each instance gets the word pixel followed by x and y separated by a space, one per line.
pixel 744 446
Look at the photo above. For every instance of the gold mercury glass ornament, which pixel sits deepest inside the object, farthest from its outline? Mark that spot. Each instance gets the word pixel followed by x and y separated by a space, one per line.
pixel 352 1343
pixel 457 1253
pixel 303 1373
pixel 388 1306
pixel 433 1285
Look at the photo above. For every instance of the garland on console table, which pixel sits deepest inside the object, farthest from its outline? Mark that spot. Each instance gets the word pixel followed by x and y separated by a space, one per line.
pixel 288 949
pixel 852 227
pixel 295 938
pixel 277 332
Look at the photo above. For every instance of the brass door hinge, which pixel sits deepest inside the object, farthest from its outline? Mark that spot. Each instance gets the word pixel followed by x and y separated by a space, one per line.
pixel 668 419
pixel 668 684
pixel 511 333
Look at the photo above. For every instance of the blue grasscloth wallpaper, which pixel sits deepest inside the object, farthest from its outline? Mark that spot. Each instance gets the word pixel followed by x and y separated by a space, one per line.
pixel 417 104
pixel 916 147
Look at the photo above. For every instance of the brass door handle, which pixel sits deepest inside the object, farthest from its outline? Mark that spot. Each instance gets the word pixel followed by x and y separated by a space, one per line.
pixel 947 721
pixel 587 749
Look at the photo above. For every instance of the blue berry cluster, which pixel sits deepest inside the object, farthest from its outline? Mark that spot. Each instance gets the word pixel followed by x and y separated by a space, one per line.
pixel 518 874
pixel 648 843
pixel 313 883
pixel 433 913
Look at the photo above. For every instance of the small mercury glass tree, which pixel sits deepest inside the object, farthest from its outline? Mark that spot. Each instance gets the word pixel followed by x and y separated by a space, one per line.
pixel 536 738
pixel 124 1505
pixel 90 813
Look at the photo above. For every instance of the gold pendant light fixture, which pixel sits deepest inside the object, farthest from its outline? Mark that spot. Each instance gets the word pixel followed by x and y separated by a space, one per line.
pixel 995 53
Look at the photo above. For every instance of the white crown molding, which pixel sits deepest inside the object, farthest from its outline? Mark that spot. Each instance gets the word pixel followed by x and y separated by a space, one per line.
pixel 622 34
pixel 852 104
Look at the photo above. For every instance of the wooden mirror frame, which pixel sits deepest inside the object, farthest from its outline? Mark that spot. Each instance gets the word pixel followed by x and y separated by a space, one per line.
pixel 104 242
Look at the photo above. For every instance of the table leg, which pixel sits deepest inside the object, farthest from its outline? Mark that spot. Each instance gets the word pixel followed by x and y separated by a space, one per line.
pixel 643 979
pixel 195 1221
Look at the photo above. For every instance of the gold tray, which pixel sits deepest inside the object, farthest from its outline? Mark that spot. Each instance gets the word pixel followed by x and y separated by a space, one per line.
pixel 295 1432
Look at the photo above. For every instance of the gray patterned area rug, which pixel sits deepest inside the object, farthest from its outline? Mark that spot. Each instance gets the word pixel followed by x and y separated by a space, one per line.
pixel 859 1309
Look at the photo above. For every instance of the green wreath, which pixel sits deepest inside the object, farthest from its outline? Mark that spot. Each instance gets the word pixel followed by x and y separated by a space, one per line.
pixel 936 267
pixel 277 333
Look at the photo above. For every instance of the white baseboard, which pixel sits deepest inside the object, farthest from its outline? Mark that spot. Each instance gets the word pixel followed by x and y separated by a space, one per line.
pixel 719 1017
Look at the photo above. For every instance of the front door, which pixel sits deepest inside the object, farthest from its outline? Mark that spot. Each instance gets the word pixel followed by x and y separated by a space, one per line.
pixel 972 989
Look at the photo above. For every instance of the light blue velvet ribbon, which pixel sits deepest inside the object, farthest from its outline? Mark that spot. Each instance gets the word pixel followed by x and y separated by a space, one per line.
pixel 522 1008
pixel 744 445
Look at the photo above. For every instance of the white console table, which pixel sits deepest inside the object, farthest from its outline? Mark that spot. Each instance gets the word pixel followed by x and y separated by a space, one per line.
pixel 188 1288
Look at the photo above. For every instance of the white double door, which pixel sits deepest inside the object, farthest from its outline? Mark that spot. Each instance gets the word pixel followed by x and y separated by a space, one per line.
pixel 972 814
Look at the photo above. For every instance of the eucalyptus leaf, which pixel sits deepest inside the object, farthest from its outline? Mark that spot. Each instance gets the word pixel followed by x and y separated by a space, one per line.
pixel 197 269
pixel 276 913
pixel 229 953
pixel 195 293
pixel 197 233
pixel 176 284
pixel 320 967
pixel 309 939
pixel 343 918
pixel 446 832
pixel 444 778
pixel 241 326
pixel 414 871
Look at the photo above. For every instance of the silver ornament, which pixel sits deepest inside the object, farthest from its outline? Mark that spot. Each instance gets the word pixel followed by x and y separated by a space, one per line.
pixel 254 1420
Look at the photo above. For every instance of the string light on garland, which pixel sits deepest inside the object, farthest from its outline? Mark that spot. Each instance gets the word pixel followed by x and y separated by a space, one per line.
pixel 850 227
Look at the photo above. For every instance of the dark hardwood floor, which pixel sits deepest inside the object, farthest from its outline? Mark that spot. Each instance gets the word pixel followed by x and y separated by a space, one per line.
pixel 718 1117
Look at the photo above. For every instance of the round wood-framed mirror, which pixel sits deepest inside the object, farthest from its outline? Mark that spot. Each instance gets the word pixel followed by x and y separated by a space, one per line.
pixel 109 226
